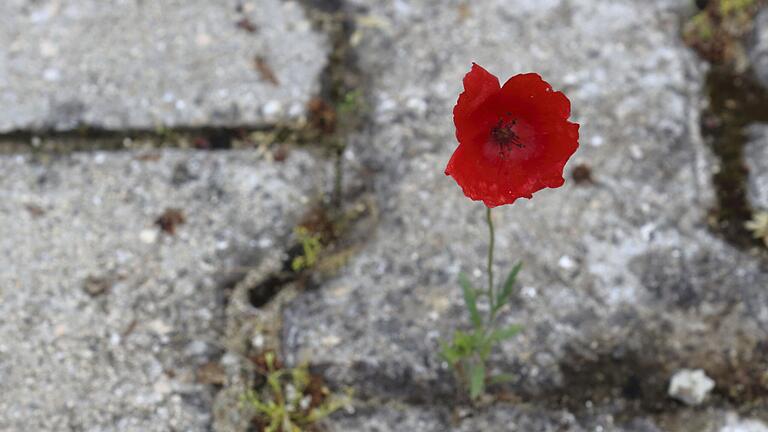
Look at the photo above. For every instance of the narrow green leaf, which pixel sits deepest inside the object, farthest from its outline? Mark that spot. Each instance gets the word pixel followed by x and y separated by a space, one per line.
pixel 505 333
pixel 470 298
pixel 502 378
pixel 476 380
pixel 509 284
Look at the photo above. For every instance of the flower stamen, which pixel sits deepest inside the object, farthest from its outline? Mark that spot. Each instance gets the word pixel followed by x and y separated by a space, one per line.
pixel 504 136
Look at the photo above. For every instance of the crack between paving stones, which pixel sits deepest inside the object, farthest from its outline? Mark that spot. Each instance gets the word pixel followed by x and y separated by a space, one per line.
pixel 337 112
pixel 340 78
pixel 200 138
pixel 736 101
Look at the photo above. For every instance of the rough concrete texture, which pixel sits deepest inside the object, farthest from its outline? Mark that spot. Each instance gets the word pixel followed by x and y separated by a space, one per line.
pixel 622 282
pixel 399 417
pixel 146 64
pixel 756 156
pixel 105 319
pixel 758 48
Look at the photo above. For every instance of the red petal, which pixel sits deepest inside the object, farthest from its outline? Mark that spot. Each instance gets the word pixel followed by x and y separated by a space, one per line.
pixel 531 91
pixel 543 139
pixel 479 85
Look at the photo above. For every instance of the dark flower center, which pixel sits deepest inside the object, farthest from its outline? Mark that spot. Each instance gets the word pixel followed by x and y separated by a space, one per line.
pixel 505 137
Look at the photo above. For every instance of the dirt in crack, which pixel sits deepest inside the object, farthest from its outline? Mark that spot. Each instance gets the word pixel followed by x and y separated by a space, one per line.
pixel 736 102
pixel 264 292
pixel 199 138
pixel 317 237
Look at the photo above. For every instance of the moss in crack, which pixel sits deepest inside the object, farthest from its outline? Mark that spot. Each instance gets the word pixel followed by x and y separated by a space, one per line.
pixel 340 108
pixel 206 138
pixel 736 101
pixel 718 30
pixel 319 248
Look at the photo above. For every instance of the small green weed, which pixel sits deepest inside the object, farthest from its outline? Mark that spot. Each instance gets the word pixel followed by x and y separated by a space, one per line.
pixel 717 31
pixel 467 352
pixel 759 226
pixel 311 246
pixel 291 400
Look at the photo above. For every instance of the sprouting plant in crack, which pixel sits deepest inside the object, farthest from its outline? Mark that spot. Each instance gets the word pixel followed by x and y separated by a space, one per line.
pixel 733 7
pixel 311 245
pixel 717 29
pixel 468 351
pixel 351 103
pixel 291 399
pixel 759 226
pixel 498 161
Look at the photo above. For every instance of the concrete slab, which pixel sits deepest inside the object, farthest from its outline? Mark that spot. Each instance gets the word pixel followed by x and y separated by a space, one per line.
pixel 132 64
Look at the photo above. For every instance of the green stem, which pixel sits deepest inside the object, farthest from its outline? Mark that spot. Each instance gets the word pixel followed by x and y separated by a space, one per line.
pixel 489 219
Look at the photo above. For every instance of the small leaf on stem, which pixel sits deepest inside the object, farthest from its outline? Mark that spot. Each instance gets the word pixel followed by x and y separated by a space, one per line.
pixel 505 333
pixel 509 284
pixel 470 298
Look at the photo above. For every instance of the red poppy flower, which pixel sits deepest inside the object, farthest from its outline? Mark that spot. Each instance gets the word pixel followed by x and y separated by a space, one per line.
pixel 513 140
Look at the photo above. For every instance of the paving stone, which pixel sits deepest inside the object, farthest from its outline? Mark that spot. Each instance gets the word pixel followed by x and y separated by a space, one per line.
pixel 394 417
pixel 434 419
pixel 145 64
pixel 736 424
pixel 107 318
pixel 756 156
pixel 622 283
pixel 758 47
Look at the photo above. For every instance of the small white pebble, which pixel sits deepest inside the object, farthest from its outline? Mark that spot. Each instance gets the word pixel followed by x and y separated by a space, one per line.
pixel 272 109
pixel 690 386
pixel 51 74
pixel 529 292
pixel 330 340
pixel 148 235
pixel 566 262
pixel 114 339
pixel 257 341
pixel 159 327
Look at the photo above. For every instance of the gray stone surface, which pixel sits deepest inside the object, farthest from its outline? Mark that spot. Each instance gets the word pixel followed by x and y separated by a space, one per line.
pixel 106 322
pixel 105 319
pixel 758 48
pixel 399 417
pixel 735 424
pixel 144 64
pixel 756 156
pixel 623 283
